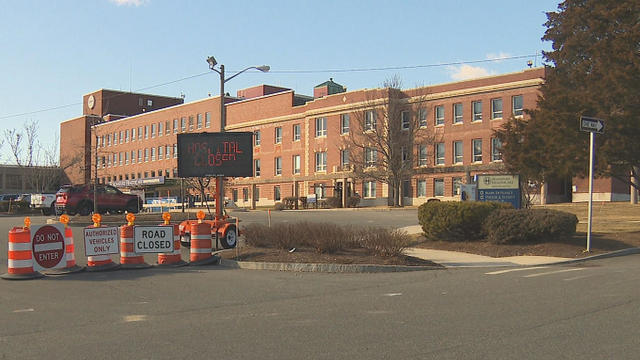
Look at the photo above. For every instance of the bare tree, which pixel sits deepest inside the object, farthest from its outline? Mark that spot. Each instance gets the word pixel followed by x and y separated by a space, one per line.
pixel 201 185
pixel 385 136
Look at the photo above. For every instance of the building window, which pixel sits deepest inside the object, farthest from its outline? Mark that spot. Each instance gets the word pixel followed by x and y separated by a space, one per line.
pixel 146 131
pixel 126 136
pixel 167 127
pixel 160 132
pixel 153 154
pixel 108 139
pixel 456 185
pixel 133 156
pixel 115 138
pixel 369 189
pixel 405 120
pixel 344 159
pixel 256 167
pixel 439 113
pixel 153 130
pixel 422 188
pixel 160 150
pixel 404 154
pixel 199 121
pixel 175 151
pixel 115 159
pixel 496 149
pixel 422 155
pixel 440 154
pixel 422 117
pixel 256 193
pixel 496 109
pixel 296 164
pixel 370 120
pixel 297 132
pixel 370 156
pixel 183 124
pixel 319 190
pixel 477 150
pixel 245 194
pixel 139 132
pixel 126 158
pixel 133 134
pixel 167 151
pixel 256 138
pixel 207 119
pixel 406 188
pixel 191 123
pixel 139 155
pixel 146 154
pixel 344 123
pixel 438 187
pixel 321 126
pixel 97 141
pixel 278 165
pixel 278 135
pixel 457 152
pixel 457 113
pixel 321 161
pixel 476 107
pixel 517 105
pixel 175 126
pixel 276 193
pixel 234 195
pixel 149 103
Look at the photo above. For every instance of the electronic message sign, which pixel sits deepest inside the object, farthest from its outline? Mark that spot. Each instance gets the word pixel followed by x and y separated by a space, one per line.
pixel 228 154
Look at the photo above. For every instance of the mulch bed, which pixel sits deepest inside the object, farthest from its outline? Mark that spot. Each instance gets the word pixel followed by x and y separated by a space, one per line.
pixel 308 255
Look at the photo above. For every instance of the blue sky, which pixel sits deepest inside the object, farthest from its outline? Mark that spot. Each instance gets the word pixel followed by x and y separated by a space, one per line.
pixel 53 52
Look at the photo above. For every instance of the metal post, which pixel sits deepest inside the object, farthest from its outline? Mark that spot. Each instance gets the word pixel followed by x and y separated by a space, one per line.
pixel 223 124
pixel 592 136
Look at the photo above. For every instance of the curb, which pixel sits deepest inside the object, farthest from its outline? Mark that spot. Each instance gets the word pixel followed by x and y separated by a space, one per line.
pixel 623 252
pixel 324 268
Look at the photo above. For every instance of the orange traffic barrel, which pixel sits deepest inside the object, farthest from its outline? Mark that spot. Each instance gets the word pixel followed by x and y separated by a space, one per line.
pixel 20 255
pixel 201 251
pixel 129 259
pixel 70 256
pixel 173 258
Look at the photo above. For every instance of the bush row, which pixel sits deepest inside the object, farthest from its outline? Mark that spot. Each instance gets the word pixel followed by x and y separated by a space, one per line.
pixel 289 202
pixel 326 238
pixel 497 223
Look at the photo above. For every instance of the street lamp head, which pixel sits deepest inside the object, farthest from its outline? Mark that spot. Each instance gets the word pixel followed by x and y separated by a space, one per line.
pixel 212 62
pixel 263 68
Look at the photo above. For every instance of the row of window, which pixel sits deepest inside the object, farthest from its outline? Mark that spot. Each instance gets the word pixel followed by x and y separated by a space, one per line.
pixel 140 175
pixel 143 155
pixel 155 129
pixel 457 150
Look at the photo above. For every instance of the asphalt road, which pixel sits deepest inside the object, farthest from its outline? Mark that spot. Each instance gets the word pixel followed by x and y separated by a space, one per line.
pixel 589 310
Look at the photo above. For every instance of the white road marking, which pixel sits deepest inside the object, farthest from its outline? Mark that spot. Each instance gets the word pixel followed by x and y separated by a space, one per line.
pixel 134 318
pixel 552 272
pixel 393 294
pixel 518 269
pixel 23 310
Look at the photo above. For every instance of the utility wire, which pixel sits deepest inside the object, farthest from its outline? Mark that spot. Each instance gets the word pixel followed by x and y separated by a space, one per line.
pixel 290 72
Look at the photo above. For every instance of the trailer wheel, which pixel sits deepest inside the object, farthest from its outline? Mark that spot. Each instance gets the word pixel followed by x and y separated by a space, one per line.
pixel 229 239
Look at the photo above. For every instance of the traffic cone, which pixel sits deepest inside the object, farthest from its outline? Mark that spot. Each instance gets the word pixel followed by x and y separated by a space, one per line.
pixel 173 259
pixel 20 255
pixel 201 250
pixel 70 255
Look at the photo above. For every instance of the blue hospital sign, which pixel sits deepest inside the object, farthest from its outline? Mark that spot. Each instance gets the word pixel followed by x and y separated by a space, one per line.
pixel 499 188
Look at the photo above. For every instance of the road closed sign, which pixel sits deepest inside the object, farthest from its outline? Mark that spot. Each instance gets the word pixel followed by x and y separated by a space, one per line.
pixel 101 241
pixel 48 247
pixel 153 239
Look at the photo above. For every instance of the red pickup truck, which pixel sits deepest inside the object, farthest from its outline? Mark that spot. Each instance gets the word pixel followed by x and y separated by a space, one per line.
pixel 78 199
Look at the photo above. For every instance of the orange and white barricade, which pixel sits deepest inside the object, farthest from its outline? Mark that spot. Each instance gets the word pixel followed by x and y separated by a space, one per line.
pixel 20 254
pixel 173 258
pixel 69 249
pixel 100 262
pixel 201 249
pixel 129 259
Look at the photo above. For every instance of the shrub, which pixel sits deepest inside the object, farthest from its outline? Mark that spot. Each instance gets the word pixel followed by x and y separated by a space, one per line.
pixel 334 202
pixel 279 206
pixel 383 242
pixel 290 202
pixel 353 201
pixel 454 220
pixel 303 201
pixel 509 226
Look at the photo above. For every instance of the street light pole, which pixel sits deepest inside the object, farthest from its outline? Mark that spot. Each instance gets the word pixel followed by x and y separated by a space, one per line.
pixel 223 123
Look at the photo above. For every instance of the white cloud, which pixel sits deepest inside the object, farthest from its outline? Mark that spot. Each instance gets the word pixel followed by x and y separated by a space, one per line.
pixel 500 55
pixel 464 72
pixel 130 2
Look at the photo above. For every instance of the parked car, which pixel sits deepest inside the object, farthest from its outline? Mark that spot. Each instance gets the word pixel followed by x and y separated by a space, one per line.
pixel 8 201
pixel 78 199
pixel 44 202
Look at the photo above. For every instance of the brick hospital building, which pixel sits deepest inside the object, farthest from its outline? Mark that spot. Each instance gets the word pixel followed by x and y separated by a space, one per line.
pixel 299 140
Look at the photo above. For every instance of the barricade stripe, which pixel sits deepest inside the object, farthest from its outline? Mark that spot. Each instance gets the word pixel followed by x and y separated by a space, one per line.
pixel 200 237
pixel 201 251
pixel 20 255
pixel 20 263
pixel 126 240
pixel 24 270
pixel 130 254
pixel 19 247
pixel 21 239
pixel 47 247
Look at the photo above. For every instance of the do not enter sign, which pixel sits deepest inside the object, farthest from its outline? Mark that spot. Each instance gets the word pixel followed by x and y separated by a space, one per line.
pixel 48 247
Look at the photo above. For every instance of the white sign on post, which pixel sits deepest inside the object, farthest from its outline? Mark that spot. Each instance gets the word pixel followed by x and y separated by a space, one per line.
pixel 101 241
pixel 48 247
pixel 593 126
pixel 153 239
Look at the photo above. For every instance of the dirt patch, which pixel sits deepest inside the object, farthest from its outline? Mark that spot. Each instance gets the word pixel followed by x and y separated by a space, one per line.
pixel 307 255
pixel 572 247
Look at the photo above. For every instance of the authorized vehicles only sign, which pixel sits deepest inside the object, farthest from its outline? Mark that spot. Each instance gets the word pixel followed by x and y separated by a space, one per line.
pixel 153 239
pixel 101 241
